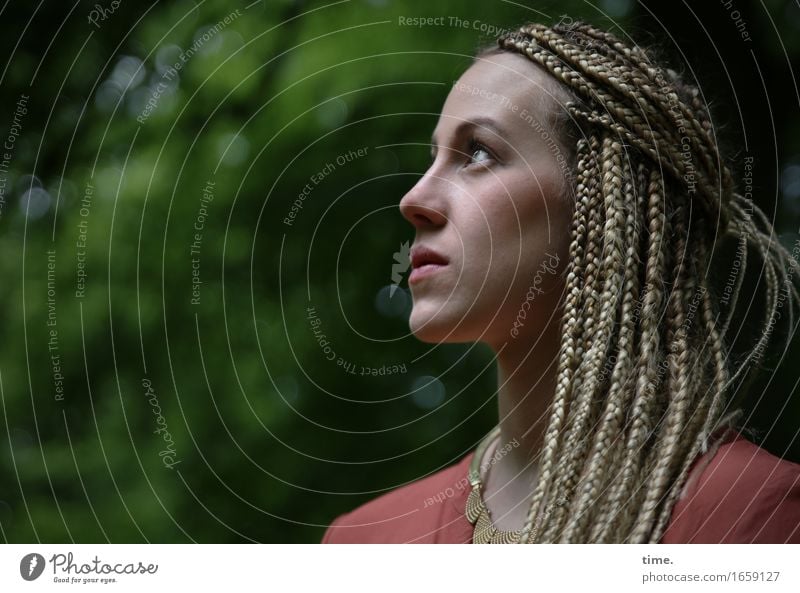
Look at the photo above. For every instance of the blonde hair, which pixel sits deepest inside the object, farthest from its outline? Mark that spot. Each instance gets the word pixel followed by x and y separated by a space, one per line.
pixel 643 373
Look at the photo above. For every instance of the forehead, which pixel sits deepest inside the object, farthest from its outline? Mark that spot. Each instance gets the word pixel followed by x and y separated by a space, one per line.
pixel 504 87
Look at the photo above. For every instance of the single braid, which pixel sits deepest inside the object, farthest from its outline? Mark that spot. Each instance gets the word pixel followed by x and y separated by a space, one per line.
pixel 568 358
pixel 606 446
pixel 671 436
pixel 587 403
pixel 643 406
pixel 607 513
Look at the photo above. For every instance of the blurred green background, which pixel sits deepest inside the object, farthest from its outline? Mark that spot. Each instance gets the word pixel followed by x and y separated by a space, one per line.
pixel 151 283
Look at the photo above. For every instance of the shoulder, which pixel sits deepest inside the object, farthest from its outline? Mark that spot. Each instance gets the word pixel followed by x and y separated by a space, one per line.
pixel 428 510
pixel 741 494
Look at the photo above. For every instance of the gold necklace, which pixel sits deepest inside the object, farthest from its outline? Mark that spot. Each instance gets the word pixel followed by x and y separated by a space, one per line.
pixel 484 531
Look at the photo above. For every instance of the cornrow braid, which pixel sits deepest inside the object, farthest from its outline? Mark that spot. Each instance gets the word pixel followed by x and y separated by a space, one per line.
pixel 643 382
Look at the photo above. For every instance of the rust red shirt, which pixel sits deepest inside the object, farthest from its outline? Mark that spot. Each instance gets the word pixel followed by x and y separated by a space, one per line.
pixel 740 494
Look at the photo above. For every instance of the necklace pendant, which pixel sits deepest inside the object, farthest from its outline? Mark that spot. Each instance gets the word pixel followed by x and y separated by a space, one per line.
pixel 505 537
pixel 484 530
pixel 474 505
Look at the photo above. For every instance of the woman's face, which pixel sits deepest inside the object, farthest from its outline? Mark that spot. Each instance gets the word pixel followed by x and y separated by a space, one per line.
pixel 492 206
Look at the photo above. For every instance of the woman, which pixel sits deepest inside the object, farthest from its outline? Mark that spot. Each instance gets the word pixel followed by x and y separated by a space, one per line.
pixel 568 219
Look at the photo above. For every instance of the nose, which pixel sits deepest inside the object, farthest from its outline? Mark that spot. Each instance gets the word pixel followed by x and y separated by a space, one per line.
pixel 424 204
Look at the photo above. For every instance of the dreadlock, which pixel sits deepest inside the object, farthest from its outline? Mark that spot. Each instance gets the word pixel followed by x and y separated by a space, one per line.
pixel 643 382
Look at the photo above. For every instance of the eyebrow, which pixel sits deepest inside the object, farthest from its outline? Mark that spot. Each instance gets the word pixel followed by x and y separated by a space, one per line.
pixel 479 121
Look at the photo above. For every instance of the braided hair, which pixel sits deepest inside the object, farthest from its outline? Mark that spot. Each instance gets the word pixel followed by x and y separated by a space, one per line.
pixel 644 380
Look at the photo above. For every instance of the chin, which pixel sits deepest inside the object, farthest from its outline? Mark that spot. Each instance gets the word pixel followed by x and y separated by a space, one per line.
pixel 427 329
pixel 440 328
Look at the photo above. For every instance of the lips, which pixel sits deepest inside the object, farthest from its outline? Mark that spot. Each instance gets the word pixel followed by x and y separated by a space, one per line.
pixel 425 261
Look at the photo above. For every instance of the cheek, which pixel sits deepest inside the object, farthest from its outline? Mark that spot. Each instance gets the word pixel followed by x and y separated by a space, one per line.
pixel 531 233
pixel 532 217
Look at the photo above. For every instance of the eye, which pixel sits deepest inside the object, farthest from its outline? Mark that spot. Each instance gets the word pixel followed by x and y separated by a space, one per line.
pixel 478 152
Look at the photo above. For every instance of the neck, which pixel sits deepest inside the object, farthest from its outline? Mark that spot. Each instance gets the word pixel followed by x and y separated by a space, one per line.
pixel 526 382
pixel 527 370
